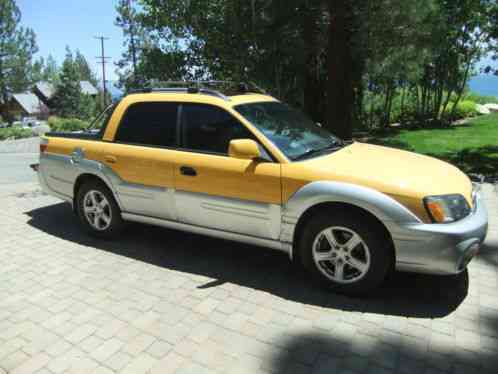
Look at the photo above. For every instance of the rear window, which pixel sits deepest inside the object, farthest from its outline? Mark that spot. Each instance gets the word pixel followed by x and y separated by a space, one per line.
pixel 149 124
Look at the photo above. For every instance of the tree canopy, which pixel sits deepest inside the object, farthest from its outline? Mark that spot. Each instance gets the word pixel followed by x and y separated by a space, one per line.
pixel 346 63
pixel 68 100
pixel 17 47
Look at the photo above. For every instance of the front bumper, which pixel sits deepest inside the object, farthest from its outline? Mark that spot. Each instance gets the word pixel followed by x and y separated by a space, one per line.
pixel 441 248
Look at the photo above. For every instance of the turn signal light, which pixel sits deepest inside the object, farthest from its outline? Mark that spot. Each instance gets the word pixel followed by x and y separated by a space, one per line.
pixel 437 211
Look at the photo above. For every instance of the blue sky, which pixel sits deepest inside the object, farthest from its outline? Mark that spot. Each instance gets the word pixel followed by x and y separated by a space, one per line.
pixel 58 23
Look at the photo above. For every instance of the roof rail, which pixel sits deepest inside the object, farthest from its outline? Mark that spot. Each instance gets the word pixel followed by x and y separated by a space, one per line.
pixel 220 89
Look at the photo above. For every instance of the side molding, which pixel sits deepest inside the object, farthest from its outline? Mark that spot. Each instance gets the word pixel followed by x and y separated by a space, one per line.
pixel 220 234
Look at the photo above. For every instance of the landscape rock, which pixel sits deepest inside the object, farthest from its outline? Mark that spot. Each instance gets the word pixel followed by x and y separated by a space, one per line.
pixel 492 107
pixel 482 109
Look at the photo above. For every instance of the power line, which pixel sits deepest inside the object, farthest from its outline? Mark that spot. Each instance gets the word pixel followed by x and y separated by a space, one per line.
pixel 103 60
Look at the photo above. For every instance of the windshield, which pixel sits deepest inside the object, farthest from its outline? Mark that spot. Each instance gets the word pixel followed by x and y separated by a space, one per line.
pixel 297 136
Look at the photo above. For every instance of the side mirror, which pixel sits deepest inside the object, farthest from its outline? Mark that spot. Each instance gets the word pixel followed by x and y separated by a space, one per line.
pixel 245 149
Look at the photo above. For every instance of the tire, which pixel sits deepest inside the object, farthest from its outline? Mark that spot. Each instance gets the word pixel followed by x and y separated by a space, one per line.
pixel 357 261
pixel 105 221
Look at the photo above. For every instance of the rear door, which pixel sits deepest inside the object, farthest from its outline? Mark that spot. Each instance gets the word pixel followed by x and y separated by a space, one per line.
pixel 139 159
pixel 216 191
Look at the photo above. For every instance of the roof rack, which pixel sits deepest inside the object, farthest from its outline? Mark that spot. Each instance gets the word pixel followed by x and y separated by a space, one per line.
pixel 220 89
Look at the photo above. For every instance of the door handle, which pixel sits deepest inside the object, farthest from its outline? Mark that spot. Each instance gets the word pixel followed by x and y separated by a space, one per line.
pixel 188 171
pixel 110 159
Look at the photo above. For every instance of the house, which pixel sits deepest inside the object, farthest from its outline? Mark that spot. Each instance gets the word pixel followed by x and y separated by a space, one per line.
pixel 37 103
pixel 88 89
pixel 46 90
pixel 23 105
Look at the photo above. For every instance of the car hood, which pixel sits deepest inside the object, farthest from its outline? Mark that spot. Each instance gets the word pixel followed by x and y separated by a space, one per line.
pixel 405 176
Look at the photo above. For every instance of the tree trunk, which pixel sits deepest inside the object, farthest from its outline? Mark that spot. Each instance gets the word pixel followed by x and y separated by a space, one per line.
pixel 462 87
pixel 389 106
pixel 402 106
pixel 417 100
pixel 341 90
pixel 311 66
pixel 446 102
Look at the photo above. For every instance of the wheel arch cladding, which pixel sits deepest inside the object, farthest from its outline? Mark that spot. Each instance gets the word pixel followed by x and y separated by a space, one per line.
pixel 341 207
pixel 384 207
pixel 319 196
pixel 85 177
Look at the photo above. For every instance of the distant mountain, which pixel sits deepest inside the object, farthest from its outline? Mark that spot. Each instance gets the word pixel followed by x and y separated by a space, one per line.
pixel 484 85
pixel 115 92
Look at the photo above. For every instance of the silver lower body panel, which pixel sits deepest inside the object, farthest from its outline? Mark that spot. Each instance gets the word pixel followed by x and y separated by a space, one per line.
pixel 49 191
pixel 273 244
pixel 441 248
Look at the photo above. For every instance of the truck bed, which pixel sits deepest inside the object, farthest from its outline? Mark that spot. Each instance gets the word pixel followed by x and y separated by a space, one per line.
pixel 88 135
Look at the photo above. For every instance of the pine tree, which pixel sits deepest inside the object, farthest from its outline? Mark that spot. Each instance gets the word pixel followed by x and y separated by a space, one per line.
pixel 84 70
pixel 68 97
pixel 17 47
pixel 51 71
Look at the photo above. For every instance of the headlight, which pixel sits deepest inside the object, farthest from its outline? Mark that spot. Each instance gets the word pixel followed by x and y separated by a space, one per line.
pixel 447 208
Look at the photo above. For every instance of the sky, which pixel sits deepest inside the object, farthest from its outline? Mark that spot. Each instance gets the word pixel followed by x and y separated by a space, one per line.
pixel 58 23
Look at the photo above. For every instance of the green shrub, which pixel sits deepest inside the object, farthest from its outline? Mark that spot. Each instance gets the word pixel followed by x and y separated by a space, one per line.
pixel 464 109
pixel 15 133
pixel 481 99
pixel 66 124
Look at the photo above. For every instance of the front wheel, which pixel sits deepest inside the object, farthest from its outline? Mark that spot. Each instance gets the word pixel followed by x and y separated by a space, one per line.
pixel 350 254
pixel 98 211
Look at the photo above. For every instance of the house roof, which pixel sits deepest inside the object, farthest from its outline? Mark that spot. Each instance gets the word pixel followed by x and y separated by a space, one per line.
pixel 88 88
pixel 47 89
pixel 30 103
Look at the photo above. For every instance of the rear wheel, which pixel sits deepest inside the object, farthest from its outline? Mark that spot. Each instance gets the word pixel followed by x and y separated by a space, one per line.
pixel 98 211
pixel 349 254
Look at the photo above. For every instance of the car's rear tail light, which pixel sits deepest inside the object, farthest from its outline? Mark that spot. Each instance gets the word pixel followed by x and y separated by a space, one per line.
pixel 43 145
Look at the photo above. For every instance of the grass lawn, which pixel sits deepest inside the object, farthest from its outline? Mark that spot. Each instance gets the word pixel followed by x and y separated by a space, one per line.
pixel 473 147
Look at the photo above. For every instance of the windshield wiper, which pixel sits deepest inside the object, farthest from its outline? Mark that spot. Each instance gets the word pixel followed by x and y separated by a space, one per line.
pixel 313 152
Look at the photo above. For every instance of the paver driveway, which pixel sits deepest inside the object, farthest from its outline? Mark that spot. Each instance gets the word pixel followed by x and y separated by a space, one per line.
pixel 162 301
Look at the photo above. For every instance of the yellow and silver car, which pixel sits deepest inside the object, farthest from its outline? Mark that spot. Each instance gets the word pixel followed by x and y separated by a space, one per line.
pixel 245 167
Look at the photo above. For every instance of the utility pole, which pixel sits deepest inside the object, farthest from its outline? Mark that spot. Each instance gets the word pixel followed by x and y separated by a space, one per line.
pixel 132 40
pixel 103 59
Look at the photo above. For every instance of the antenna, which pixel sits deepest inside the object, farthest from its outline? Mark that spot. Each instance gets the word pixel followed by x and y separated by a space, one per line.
pixel 103 60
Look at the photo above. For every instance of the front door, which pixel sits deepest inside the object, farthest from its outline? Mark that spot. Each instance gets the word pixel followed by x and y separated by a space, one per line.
pixel 139 161
pixel 215 191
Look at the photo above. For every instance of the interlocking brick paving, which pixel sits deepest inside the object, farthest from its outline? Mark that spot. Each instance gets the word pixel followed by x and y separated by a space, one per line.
pixel 161 301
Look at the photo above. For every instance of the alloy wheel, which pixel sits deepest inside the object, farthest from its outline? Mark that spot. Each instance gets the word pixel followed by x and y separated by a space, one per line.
pixel 341 255
pixel 97 210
